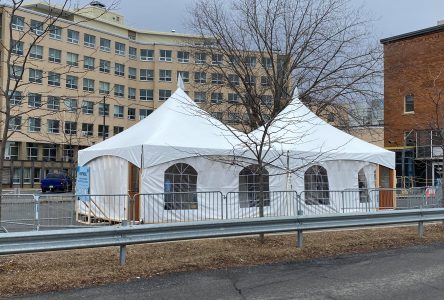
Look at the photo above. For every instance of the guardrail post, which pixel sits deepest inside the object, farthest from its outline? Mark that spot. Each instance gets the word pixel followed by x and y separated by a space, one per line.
pixel 36 212
pixel 122 256
pixel 421 229
pixel 300 239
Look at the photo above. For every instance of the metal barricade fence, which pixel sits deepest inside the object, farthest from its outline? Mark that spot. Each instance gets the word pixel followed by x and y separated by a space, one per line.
pixel 102 209
pixel 17 212
pixel 177 207
pixel 256 204
pixel 317 202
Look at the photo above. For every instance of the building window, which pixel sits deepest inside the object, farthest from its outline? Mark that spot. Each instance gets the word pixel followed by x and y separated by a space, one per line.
pixel 70 128
pixel 217 59
pixel 71 105
pixel 55 32
pixel 105 66
pixel 165 55
pixel 250 61
pixel 15 98
pixel 55 55
pixel 72 82
pixel 185 75
pixel 233 98
pixel 316 186
pixel 132 73
pixel 15 123
pixel 49 152
pixel 68 153
pixel 164 94
pixel 217 115
pixel 87 107
pixel 73 36
pixel 26 175
pixel 217 98
pixel 18 23
pixel 118 129
pixel 103 131
pixel 103 109
pixel 146 74
pixel 250 187
pixel 200 58
pixel 409 104
pixel 119 69
pixel 34 100
pixel 131 93
pixel 53 103
pixel 146 54
pixel 200 77
pixel 36 76
pixel 217 78
pixel 131 113
pixel 266 62
pixel 16 177
pixel 143 113
pixel 53 126
pixel 53 79
pixel 183 56
pixel 89 40
pixel 165 75
pixel 132 53
pixel 146 95
pixel 104 87
pixel 265 81
pixel 233 79
pixel 250 80
pixel 17 47
pixel 36 27
pixel 234 118
pixel 87 129
pixel 119 90
pixel 180 183
pixel 72 59
pixel 37 174
pixel 12 151
pixel 267 100
pixel 34 124
pixel 32 151
pixel 89 63
pixel 105 45
pixel 200 97
pixel 120 48
pixel 88 85
pixel 15 72
pixel 36 52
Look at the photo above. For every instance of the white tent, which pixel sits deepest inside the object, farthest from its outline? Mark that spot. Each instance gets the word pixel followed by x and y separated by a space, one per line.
pixel 179 136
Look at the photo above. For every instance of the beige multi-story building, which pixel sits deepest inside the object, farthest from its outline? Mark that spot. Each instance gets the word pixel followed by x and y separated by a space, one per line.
pixel 89 76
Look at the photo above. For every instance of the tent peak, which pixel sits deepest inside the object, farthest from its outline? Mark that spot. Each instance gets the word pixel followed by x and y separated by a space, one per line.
pixel 180 84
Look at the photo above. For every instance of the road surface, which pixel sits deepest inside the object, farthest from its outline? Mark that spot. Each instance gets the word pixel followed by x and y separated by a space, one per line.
pixel 410 273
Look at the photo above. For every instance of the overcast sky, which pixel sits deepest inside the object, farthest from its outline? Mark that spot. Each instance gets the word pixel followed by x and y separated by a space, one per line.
pixel 391 17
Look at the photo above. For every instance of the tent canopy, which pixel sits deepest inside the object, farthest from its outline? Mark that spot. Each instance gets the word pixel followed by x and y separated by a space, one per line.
pixel 297 131
pixel 175 130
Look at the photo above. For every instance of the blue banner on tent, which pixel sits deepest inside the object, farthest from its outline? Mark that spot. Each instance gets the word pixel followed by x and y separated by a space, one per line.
pixel 82 183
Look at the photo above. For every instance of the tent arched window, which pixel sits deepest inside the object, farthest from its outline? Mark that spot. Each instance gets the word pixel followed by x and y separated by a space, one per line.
pixel 316 186
pixel 249 187
pixel 363 187
pixel 180 183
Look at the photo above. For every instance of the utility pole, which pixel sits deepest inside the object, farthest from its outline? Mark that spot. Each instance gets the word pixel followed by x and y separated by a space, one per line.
pixel 103 130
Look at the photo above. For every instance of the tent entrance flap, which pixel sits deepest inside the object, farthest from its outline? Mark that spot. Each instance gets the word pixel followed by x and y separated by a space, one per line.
pixel 133 189
pixel 385 180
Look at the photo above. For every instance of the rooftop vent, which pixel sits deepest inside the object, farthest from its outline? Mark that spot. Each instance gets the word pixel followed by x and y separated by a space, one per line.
pixel 97 4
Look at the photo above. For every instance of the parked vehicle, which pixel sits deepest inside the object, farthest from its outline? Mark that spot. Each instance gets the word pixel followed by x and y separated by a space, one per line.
pixel 56 182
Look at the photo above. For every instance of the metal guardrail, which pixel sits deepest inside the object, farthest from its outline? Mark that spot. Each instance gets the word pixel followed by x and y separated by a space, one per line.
pixel 122 235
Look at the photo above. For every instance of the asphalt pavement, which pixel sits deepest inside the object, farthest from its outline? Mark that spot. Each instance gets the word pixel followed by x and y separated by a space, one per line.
pixel 410 273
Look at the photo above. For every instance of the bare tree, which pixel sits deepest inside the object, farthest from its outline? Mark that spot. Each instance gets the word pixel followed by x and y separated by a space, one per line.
pixel 261 50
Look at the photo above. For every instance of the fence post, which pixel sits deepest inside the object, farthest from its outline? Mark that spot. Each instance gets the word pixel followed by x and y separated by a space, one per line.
pixel 222 204
pixel 122 256
pixel 342 200
pixel 300 239
pixel 36 212
pixel 421 229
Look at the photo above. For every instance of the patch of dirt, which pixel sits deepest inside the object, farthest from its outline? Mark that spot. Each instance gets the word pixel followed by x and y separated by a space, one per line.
pixel 50 271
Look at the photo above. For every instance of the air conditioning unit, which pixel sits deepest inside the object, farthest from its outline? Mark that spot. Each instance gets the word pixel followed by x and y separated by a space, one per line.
pixel 85 133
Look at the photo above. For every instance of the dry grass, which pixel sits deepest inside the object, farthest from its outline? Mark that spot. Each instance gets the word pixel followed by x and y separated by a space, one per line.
pixel 43 272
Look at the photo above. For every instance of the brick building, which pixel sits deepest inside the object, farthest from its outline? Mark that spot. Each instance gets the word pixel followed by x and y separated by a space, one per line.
pixel 414 104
